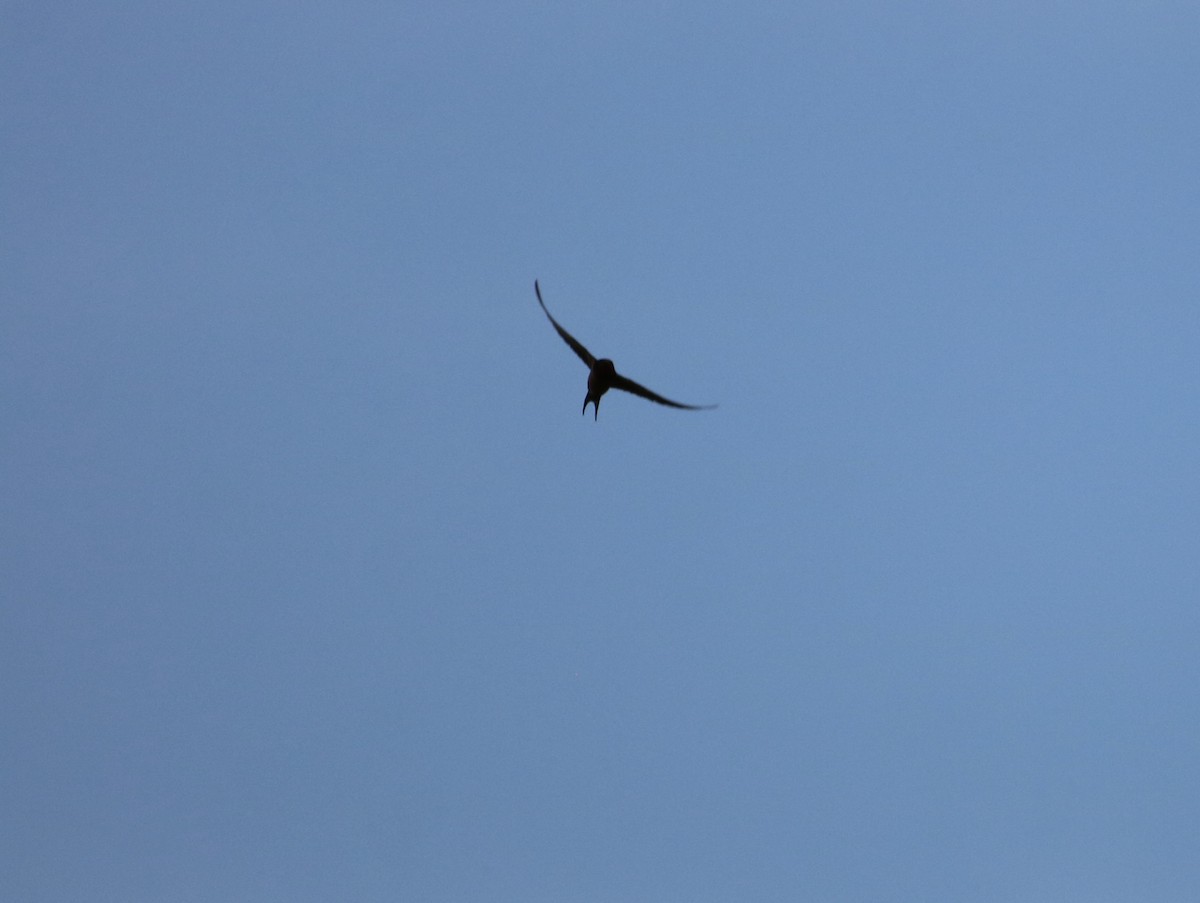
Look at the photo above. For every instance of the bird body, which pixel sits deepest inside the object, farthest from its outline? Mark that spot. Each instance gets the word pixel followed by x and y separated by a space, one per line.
pixel 603 374
pixel 600 379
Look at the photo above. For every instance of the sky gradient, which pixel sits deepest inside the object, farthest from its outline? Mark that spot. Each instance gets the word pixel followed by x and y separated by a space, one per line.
pixel 314 583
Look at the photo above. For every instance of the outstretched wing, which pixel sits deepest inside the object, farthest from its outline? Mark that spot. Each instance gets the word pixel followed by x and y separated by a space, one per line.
pixel 584 354
pixel 621 382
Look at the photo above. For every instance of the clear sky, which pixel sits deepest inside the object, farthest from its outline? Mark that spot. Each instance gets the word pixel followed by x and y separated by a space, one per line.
pixel 315 585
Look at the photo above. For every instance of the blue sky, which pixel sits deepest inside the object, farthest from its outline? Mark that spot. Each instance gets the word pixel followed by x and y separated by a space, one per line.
pixel 314 583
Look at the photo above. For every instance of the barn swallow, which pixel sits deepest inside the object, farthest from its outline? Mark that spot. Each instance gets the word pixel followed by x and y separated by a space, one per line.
pixel 604 376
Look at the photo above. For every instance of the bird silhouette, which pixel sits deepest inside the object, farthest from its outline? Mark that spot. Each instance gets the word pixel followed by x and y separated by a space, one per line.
pixel 604 376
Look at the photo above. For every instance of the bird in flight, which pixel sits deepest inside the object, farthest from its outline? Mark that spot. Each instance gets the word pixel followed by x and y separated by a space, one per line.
pixel 604 375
